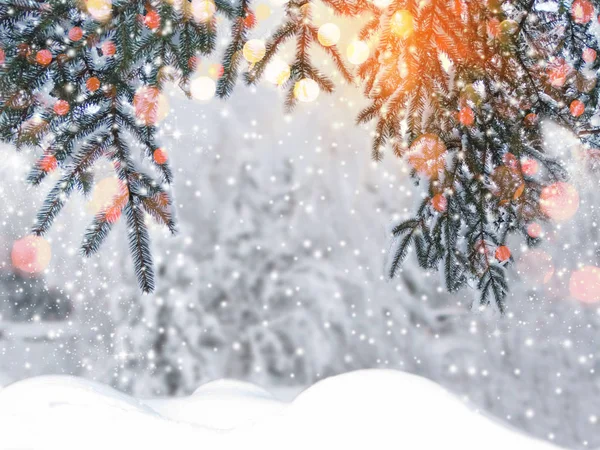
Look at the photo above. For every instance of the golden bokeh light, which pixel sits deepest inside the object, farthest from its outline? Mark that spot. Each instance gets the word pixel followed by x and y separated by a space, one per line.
pixel 357 52
pixel 203 88
pixel 100 10
pixel 277 71
pixel 254 50
pixel 329 34
pixel 306 90
pixel 402 24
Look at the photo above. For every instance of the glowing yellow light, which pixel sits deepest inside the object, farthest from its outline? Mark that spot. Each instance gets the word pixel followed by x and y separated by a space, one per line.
pixel 357 52
pixel 203 10
pixel 306 90
pixel 277 72
pixel 402 24
pixel 254 50
pixel 203 88
pixel 262 11
pixel 329 34
pixel 100 10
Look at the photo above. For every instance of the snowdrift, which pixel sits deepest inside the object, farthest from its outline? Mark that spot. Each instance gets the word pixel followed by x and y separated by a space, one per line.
pixel 360 410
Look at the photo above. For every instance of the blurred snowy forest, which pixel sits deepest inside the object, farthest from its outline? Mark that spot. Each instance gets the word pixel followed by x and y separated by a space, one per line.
pixel 276 277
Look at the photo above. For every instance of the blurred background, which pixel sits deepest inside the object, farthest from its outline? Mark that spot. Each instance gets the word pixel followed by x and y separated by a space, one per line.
pixel 276 275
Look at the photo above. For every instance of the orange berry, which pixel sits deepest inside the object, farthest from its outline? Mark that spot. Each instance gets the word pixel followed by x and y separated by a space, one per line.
pixel 93 84
pixel 108 48
pixel 43 57
pixel 577 108
pixel 48 163
pixel 61 107
pixel 502 253
pixel 160 156
pixel 439 203
pixel 530 119
pixel 534 230
pixel 152 20
pixel 250 20
pixel 75 34
pixel 466 116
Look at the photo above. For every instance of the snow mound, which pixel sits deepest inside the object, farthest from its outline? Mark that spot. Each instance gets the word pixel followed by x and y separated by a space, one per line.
pixel 222 404
pixel 364 409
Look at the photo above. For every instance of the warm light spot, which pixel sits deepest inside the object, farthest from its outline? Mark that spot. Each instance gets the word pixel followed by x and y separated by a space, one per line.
pixel 262 11
pixel 402 24
pixel 329 34
pixel 584 284
pixel 536 266
pixel 466 116
pixel 577 108
pixel 502 253
pixel 589 55
pixel 100 10
pixel 215 71
pixel 104 194
pixel 382 3
pixel 277 71
pixel 529 167
pixel 203 88
pixel 534 230
pixel 357 52
pixel 427 155
pixel 559 201
pixel 439 202
pixel 150 105
pixel 203 10
pixel 306 90
pixel 31 254
pixel 254 50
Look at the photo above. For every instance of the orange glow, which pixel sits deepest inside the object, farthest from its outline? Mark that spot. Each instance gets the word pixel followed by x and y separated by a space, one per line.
pixel 104 194
pixel 466 116
pixel 529 167
pixel 502 253
pixel 534 230
pixel 559 201
pixel 439 202
pixel 558 72
pixel 402 24
pixel 584 284
pixel 577 108
pixel 150 105
pixel 427 155
pixel 31 254
pixel 48 163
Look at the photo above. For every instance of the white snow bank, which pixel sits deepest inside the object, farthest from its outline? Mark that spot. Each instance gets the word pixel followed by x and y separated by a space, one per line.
pixel 361 410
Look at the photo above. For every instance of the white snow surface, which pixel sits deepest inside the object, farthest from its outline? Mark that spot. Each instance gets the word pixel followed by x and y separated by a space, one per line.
pixel 377 409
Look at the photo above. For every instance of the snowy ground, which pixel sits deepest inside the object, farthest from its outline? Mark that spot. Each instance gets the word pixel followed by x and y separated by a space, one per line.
pixel 366 409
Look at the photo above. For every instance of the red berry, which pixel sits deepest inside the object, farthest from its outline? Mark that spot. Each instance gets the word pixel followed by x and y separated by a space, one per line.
pixel 160 156
pixel 534 230
pixel 109 48
pixel 43 57
pixel 2 56
pixel 529 167
pixel 582 11
pixel 466 116
pixel 61 107
pixel 502 253
pixel 152 20
pixel 439 202
pixel 93 84
pixel 48 163
pixel 577 108
pixel 75 34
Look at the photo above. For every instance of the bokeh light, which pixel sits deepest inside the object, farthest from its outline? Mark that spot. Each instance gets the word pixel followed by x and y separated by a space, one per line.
pixel 203 88
pixel 329 34
pixel 254 50
pixel 104 193
pixel 306 90
pixel 559 201
pixel 357 52
pixel 31 254
pixel 100 10
pixel 203 10
pixel 277 71
pixel 536 266
pixel 584 284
